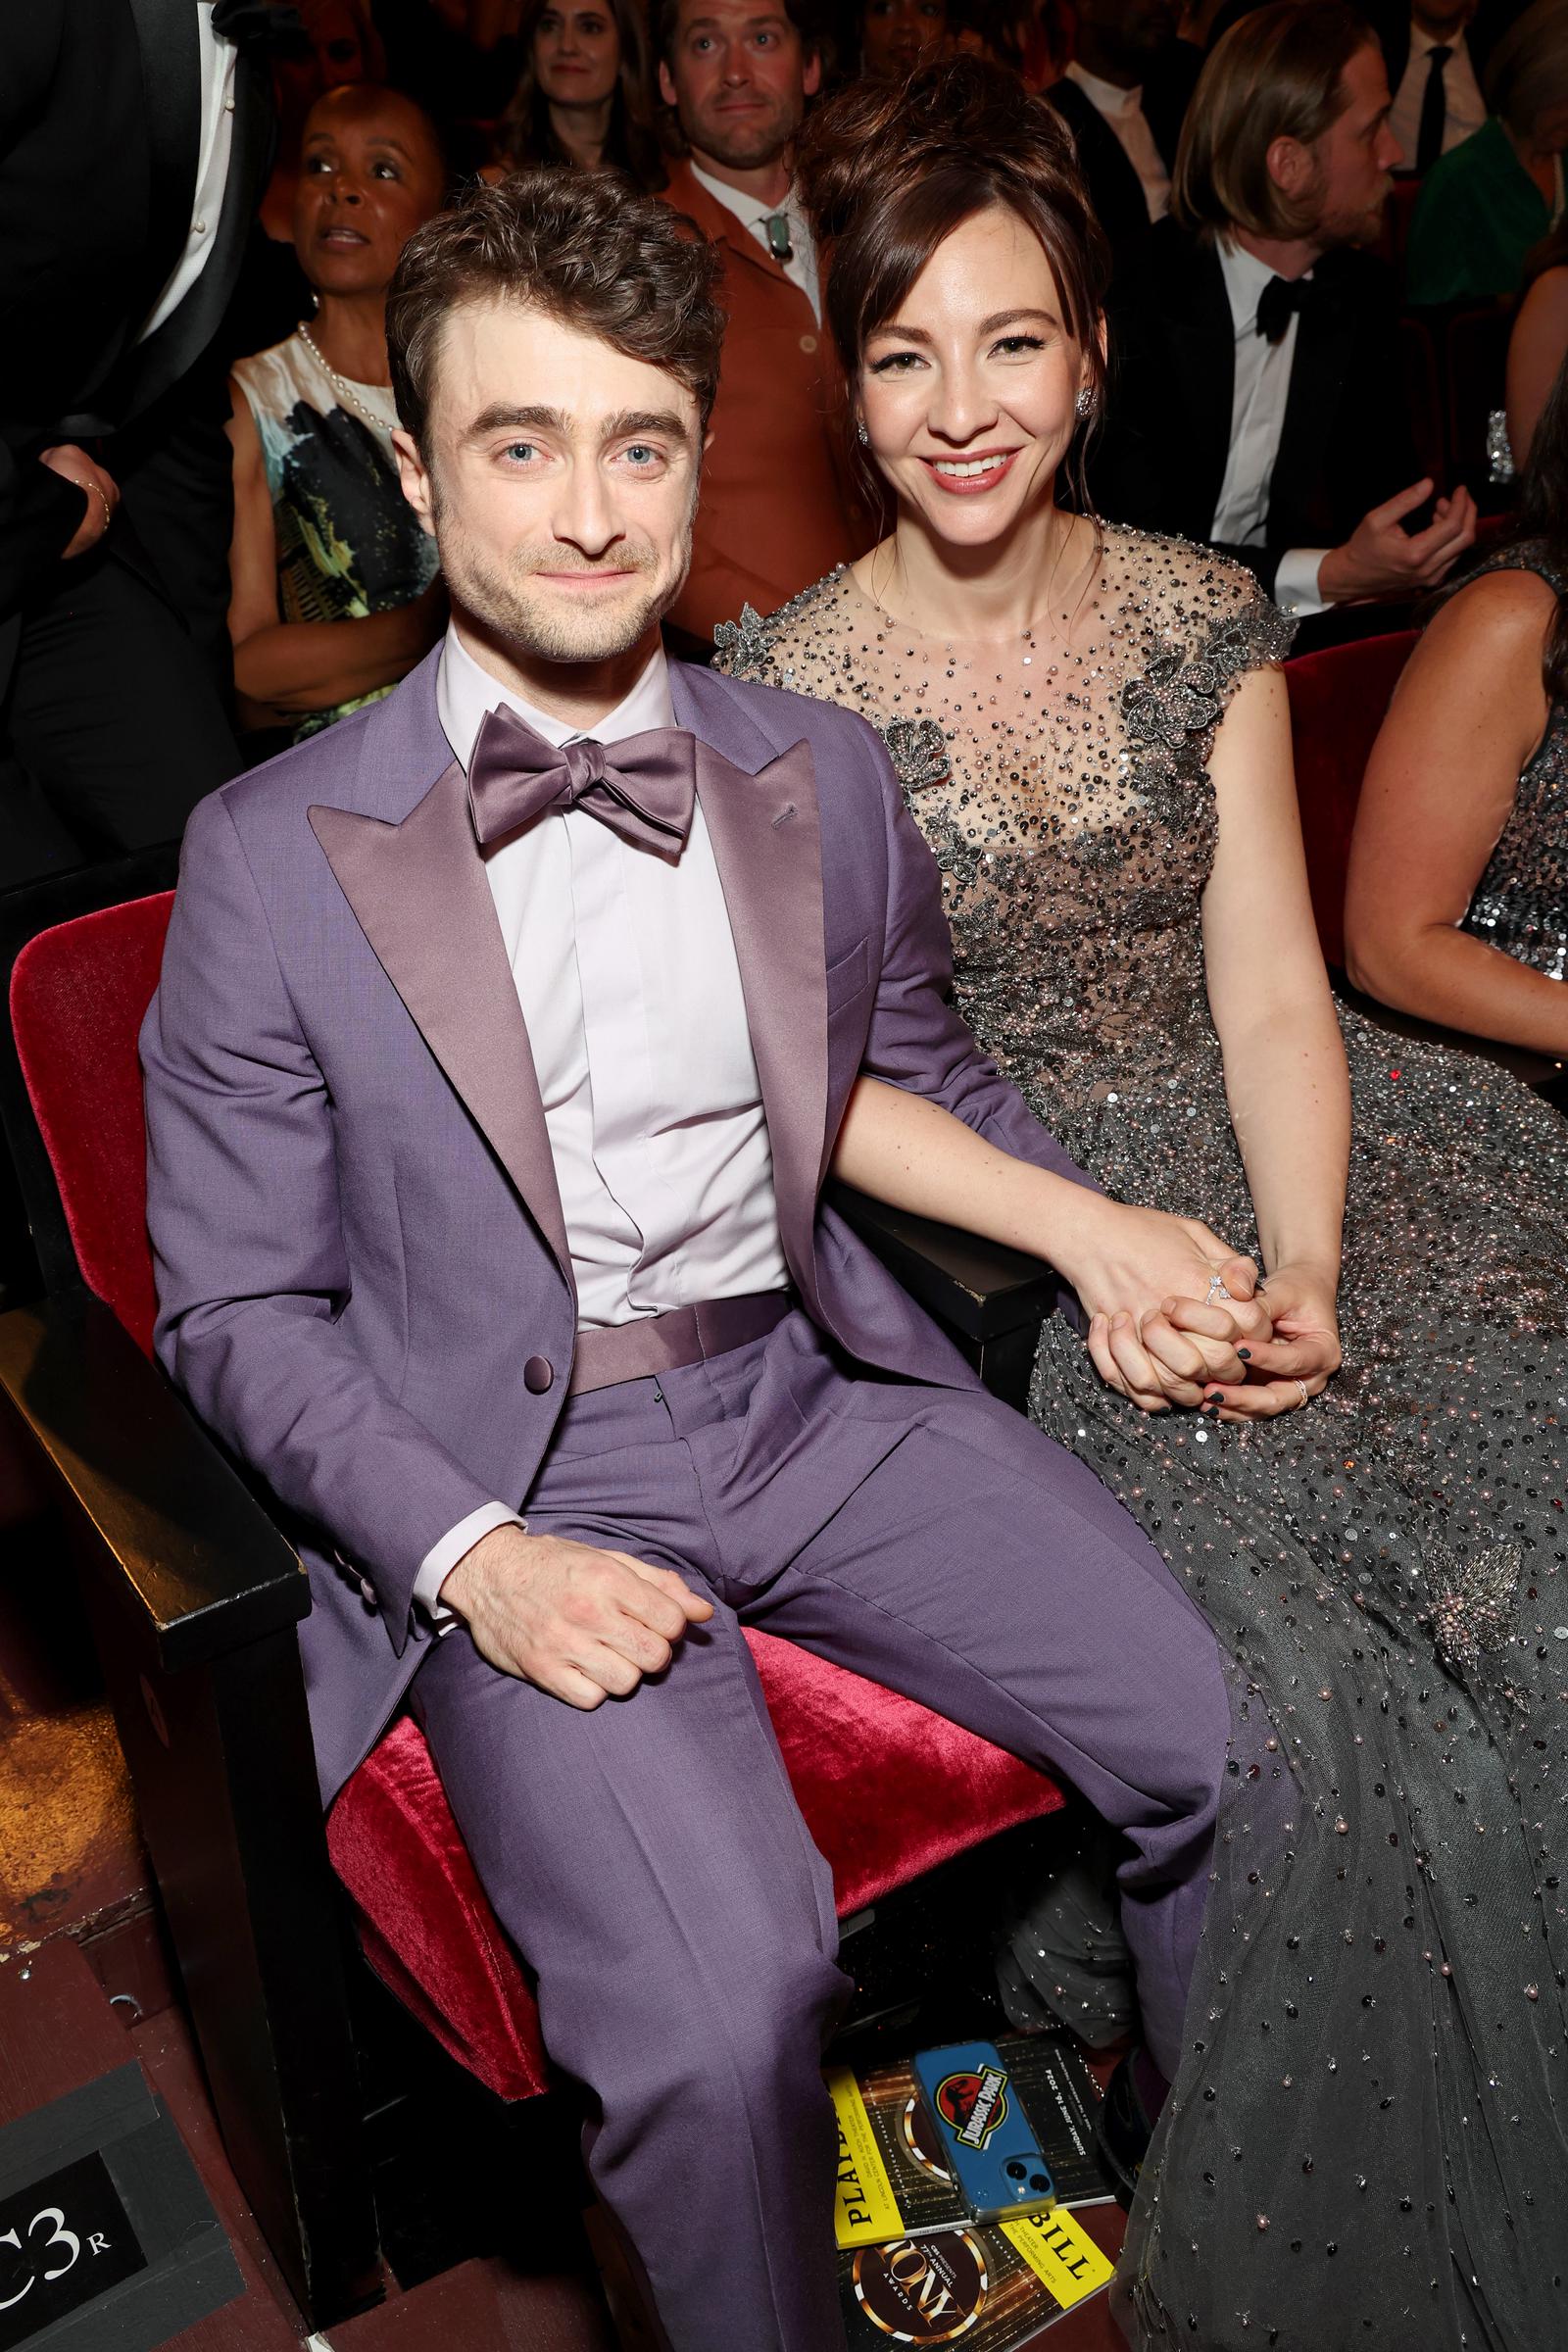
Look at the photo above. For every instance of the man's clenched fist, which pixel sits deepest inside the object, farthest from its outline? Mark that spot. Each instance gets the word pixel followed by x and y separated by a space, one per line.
pixel 582 1624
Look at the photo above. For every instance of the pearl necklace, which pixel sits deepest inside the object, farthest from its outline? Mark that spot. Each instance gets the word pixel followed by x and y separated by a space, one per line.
pixel 341 382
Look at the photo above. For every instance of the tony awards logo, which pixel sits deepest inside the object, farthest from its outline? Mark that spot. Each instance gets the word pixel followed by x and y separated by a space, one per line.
pixel 925 2290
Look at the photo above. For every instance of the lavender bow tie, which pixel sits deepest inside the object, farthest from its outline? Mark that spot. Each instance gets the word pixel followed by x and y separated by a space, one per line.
pixel 642 787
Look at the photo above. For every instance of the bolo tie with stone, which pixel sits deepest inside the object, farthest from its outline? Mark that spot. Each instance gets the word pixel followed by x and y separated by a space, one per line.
pixel 779 242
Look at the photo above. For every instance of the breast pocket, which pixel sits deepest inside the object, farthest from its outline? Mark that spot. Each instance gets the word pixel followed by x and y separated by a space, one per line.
pixel 849 978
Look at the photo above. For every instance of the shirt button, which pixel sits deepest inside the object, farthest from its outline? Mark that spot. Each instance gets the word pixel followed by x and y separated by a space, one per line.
pixel 228 106
pixel 198 229
pixel 537 1374
pixel 807 342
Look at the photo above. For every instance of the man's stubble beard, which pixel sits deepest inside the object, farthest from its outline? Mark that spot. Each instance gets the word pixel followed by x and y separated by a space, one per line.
pixel 745 151
pixel 507 613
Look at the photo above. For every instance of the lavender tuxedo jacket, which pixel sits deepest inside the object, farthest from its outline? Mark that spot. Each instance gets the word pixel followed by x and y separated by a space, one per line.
pixel 359 1240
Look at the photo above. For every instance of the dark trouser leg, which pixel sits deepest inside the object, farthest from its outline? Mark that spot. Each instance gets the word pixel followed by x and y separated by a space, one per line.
pixel 176 471
pixel 112 722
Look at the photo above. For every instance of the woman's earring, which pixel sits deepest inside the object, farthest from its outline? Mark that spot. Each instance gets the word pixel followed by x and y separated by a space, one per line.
pixel 1085 403
pixel 861 434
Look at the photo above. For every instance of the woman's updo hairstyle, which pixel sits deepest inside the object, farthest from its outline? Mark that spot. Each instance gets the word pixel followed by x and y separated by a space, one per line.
pixel 886 172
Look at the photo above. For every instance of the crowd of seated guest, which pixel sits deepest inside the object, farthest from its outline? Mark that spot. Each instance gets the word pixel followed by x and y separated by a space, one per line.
pixel 1257 393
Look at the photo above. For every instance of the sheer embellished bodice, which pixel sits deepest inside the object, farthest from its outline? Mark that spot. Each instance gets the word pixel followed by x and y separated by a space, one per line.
pixel 1063 790
pixel 1366 2141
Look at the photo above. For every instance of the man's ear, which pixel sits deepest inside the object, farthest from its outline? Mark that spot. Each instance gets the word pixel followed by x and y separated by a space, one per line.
pixel 666 85
pixel 414 476
pixel 811 72
pixel 1289 167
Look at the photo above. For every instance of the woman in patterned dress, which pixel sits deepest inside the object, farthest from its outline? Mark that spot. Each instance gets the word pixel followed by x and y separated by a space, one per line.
pixel 1364 2142
pixel 334 595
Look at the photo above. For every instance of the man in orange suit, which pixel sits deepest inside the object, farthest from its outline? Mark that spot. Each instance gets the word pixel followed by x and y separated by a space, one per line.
pixel 778 505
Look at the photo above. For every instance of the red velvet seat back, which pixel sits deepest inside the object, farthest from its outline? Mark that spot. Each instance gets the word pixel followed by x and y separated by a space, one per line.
pixel 1338 702
pixel 77 996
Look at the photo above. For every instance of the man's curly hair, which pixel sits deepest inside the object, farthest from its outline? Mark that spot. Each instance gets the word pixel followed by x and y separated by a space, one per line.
pixel 584 247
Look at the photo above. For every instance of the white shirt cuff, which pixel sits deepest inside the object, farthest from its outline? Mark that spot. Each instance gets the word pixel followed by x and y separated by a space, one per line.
pixel 441 1559
pixel 1296 582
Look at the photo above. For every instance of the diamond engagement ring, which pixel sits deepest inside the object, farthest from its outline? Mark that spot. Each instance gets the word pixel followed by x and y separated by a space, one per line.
pixel 1302 1384
pixel 1216 1289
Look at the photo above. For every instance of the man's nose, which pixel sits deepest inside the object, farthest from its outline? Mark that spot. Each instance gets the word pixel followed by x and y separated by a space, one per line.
pixel 586 517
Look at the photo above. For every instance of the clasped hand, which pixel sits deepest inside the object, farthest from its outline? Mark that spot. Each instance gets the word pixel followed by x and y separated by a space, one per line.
pixel 1156 1336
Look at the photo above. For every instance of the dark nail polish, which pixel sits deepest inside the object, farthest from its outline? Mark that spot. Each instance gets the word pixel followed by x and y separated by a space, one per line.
pixel 1214 1396
pixel 1246 1354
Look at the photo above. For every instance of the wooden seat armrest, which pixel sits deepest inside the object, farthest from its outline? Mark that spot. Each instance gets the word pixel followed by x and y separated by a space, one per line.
pixel 978 1287
pixel 185 1543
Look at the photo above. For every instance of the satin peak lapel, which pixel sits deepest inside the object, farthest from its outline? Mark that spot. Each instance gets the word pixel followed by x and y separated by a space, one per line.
pixel 767 843
pixel 419 894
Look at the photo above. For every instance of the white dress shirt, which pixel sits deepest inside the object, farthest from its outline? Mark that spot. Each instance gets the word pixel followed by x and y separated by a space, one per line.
pixel 1464 107
pixel 626 973
pixel 750 213
pixel 1263 387
pixel 218 58
pixel 1123 111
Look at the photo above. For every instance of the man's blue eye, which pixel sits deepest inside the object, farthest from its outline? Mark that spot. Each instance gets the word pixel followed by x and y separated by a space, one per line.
pixel 519 449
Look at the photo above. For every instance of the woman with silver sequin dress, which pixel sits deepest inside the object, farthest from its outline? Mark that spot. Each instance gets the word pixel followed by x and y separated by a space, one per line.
pixel 1365 2141
pixel 1458 907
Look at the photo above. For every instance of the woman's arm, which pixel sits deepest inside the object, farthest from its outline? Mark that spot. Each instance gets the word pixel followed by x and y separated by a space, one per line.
pixel 1284 1074
pixel 1123 1262
pixel 283 668
pixel 1536 350
pixel 1470 710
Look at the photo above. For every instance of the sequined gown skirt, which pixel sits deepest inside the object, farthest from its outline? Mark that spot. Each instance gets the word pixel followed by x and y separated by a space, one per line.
pixel 1368 2138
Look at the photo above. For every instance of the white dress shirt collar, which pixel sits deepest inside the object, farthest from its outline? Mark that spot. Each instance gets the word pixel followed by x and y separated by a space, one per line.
pixel 1246 277
pixel 800 268
pixel 467 693
pixel 1105 97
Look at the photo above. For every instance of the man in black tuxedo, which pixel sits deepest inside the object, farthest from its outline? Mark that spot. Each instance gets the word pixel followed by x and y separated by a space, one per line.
pixel 1255 395
pixel 134 140
pixel 1123 97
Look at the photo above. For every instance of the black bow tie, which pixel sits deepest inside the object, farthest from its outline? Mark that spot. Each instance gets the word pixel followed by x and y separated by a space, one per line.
pixel 1278 300
pixel 255 24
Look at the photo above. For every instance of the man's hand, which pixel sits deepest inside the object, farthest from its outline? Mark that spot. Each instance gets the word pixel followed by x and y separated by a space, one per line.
pixel 101 490
pixel 582 1624
pixel 1129 1266
pixel 1381 559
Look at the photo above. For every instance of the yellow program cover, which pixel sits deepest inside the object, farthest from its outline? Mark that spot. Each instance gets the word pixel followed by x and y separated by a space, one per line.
pixel 1060 2254
pixel 866 2209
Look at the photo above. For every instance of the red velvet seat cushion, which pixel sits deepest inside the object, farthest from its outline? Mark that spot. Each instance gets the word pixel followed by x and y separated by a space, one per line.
pixel 1338 699
pixel 889 1789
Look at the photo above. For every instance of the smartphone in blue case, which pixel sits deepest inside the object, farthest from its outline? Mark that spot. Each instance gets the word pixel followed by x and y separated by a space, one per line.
pixel 987 2138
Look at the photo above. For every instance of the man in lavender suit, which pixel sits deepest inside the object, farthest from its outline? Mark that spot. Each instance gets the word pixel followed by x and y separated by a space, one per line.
pixel 506 1035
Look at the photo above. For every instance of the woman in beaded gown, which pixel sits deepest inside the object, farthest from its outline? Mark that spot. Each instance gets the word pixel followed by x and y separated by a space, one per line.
pixel 1367 2139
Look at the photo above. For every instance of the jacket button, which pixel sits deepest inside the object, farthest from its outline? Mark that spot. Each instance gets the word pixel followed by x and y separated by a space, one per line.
pixel 537 1374
pixel 807 342
pixel 368 1593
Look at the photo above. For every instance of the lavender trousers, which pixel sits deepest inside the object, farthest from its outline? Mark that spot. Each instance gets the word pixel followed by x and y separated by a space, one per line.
pixel 649 1858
